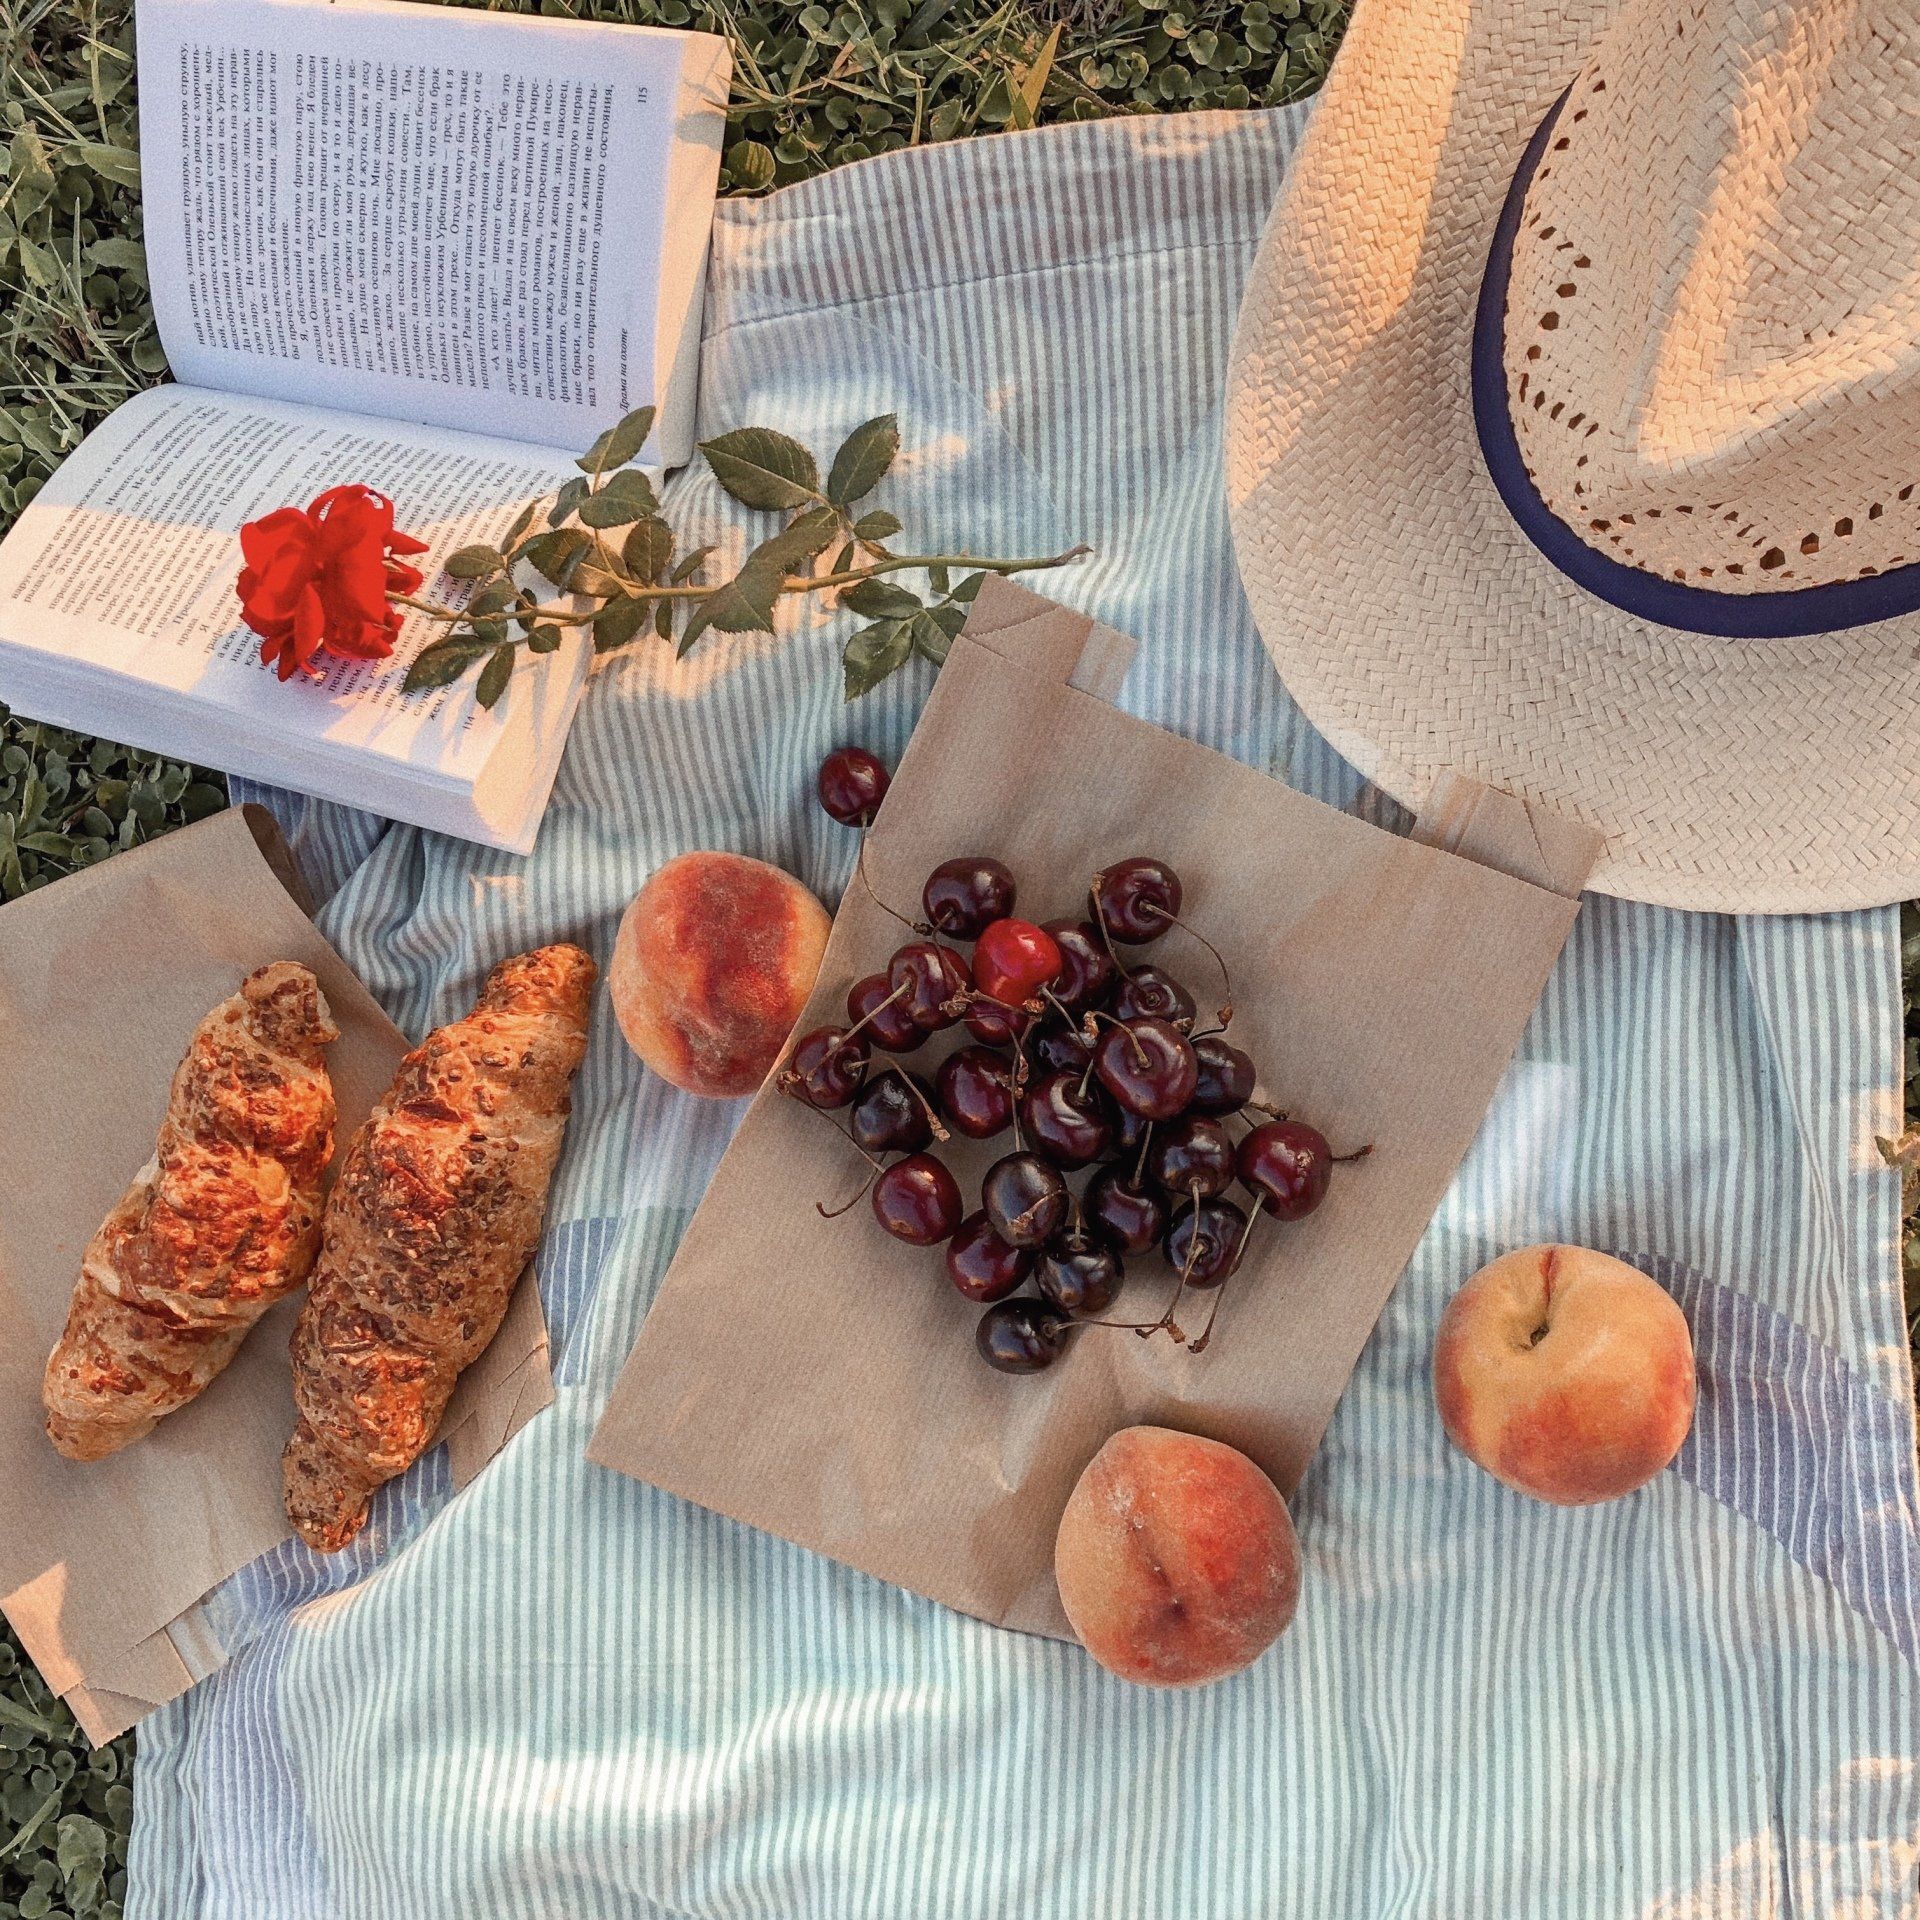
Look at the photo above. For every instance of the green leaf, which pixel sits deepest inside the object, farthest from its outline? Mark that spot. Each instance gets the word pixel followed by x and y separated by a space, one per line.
pixel 495 597
pixel 688 566
pixel 803 539
pixel 593 580
pixel 743 604
pixel 121 165
pixel 873 653
pixel 544 639
pixel 864 457
pixel 555 555
pixel 118 255
pixel 494 677
pixel 880 600
pixel 29 178
pixel 567 501
pixel 750 166
pixel 473 563
pixel 623 500
pixel 520 526
pixel 930 636
pixel 619 443
pixel 876 526
pixel 648 549
pixel 618 622
pixel 440 664
pixel 967 588
pixel 763 469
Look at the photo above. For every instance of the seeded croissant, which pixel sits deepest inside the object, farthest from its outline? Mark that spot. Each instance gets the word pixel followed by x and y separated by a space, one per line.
pixel 223 1220
pixel 436 1211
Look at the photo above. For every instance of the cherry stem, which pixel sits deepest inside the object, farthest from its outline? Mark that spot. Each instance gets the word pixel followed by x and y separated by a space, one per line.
pixel 1239 1253
pixel 788 1082
pixel 1140 1165
pixel 1225 1015
pixel 860 867
pixel 833 1213
pixel 1359 1153
pixel 934 1121
pixel 1140 1059
pixel 906 986
pixel 1100 920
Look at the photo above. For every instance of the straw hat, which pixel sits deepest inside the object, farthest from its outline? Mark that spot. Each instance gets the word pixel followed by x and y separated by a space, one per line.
pixel 1574 429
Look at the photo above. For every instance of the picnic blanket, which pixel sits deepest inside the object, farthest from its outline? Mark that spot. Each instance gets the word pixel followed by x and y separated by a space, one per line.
pixel 562 1693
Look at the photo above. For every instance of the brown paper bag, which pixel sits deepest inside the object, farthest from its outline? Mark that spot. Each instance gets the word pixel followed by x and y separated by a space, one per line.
pixel 817 1379
pixel 103 978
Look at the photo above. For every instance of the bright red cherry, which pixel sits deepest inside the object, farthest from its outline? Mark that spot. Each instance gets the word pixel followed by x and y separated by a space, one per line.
pixel 1013 960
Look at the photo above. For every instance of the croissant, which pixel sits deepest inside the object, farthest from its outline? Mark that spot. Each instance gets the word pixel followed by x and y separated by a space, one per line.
pixel 223 1220
pixel 436 1211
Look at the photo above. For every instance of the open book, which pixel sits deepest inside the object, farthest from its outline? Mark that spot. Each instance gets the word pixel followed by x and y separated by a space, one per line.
pixel 371 229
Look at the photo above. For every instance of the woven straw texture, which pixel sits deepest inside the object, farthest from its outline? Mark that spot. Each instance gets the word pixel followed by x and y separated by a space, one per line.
pixel 1410 618
pixel 1742 169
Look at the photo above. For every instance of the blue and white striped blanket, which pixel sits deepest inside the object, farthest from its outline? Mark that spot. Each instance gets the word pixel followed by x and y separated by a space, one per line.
pixel 561 1693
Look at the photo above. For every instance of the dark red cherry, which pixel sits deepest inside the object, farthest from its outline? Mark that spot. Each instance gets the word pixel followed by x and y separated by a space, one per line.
pixel 1148 1066
pixel 1086 967
pixel 1191 1153
pixel 851 784
pixel 1079 1278
pixel 826 1067
pixel 981 1264
pixel 1211 1233
pixel 1129 1219
pixel 1136 898
pixel 1152 991
pixel 994 1025
pixel 1026 1199
pixel 1058 1049
pixel 917 1200
pixel 1287 1166
pixel 891 1027
pixel 975 1087
pixel 1064 1124
pixel 1022 1336
pixel 891 1114
pixel 1226 1079
pixel 1013 960
pixel 935 977
pixel 964 897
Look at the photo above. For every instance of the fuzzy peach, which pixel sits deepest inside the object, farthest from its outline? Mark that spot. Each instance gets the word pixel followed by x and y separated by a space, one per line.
pixel 1176 1558
pixel 711 967
pixel 1566 1373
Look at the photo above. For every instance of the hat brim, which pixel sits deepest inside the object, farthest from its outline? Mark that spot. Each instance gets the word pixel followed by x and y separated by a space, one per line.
pixel 1413 621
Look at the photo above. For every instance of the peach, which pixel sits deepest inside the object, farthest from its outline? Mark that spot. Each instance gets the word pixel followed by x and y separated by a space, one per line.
pixel 1176 1558
pixel 1565 1373
pixel 711 967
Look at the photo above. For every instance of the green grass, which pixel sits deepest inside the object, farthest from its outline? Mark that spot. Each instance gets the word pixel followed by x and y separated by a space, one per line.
pixel 814 86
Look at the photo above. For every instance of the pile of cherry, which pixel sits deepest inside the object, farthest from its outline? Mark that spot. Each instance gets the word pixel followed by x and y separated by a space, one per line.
pixel 1086 1059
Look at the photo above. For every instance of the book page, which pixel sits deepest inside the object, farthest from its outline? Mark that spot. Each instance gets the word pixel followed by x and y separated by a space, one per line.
pixel 411 211
pixel 119 579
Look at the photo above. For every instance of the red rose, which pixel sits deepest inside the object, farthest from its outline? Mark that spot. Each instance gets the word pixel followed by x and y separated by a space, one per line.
pixel 321 579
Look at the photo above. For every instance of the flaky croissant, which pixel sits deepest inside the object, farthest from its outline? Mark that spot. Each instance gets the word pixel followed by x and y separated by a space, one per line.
pixel 436 1211
pixel 223 1220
